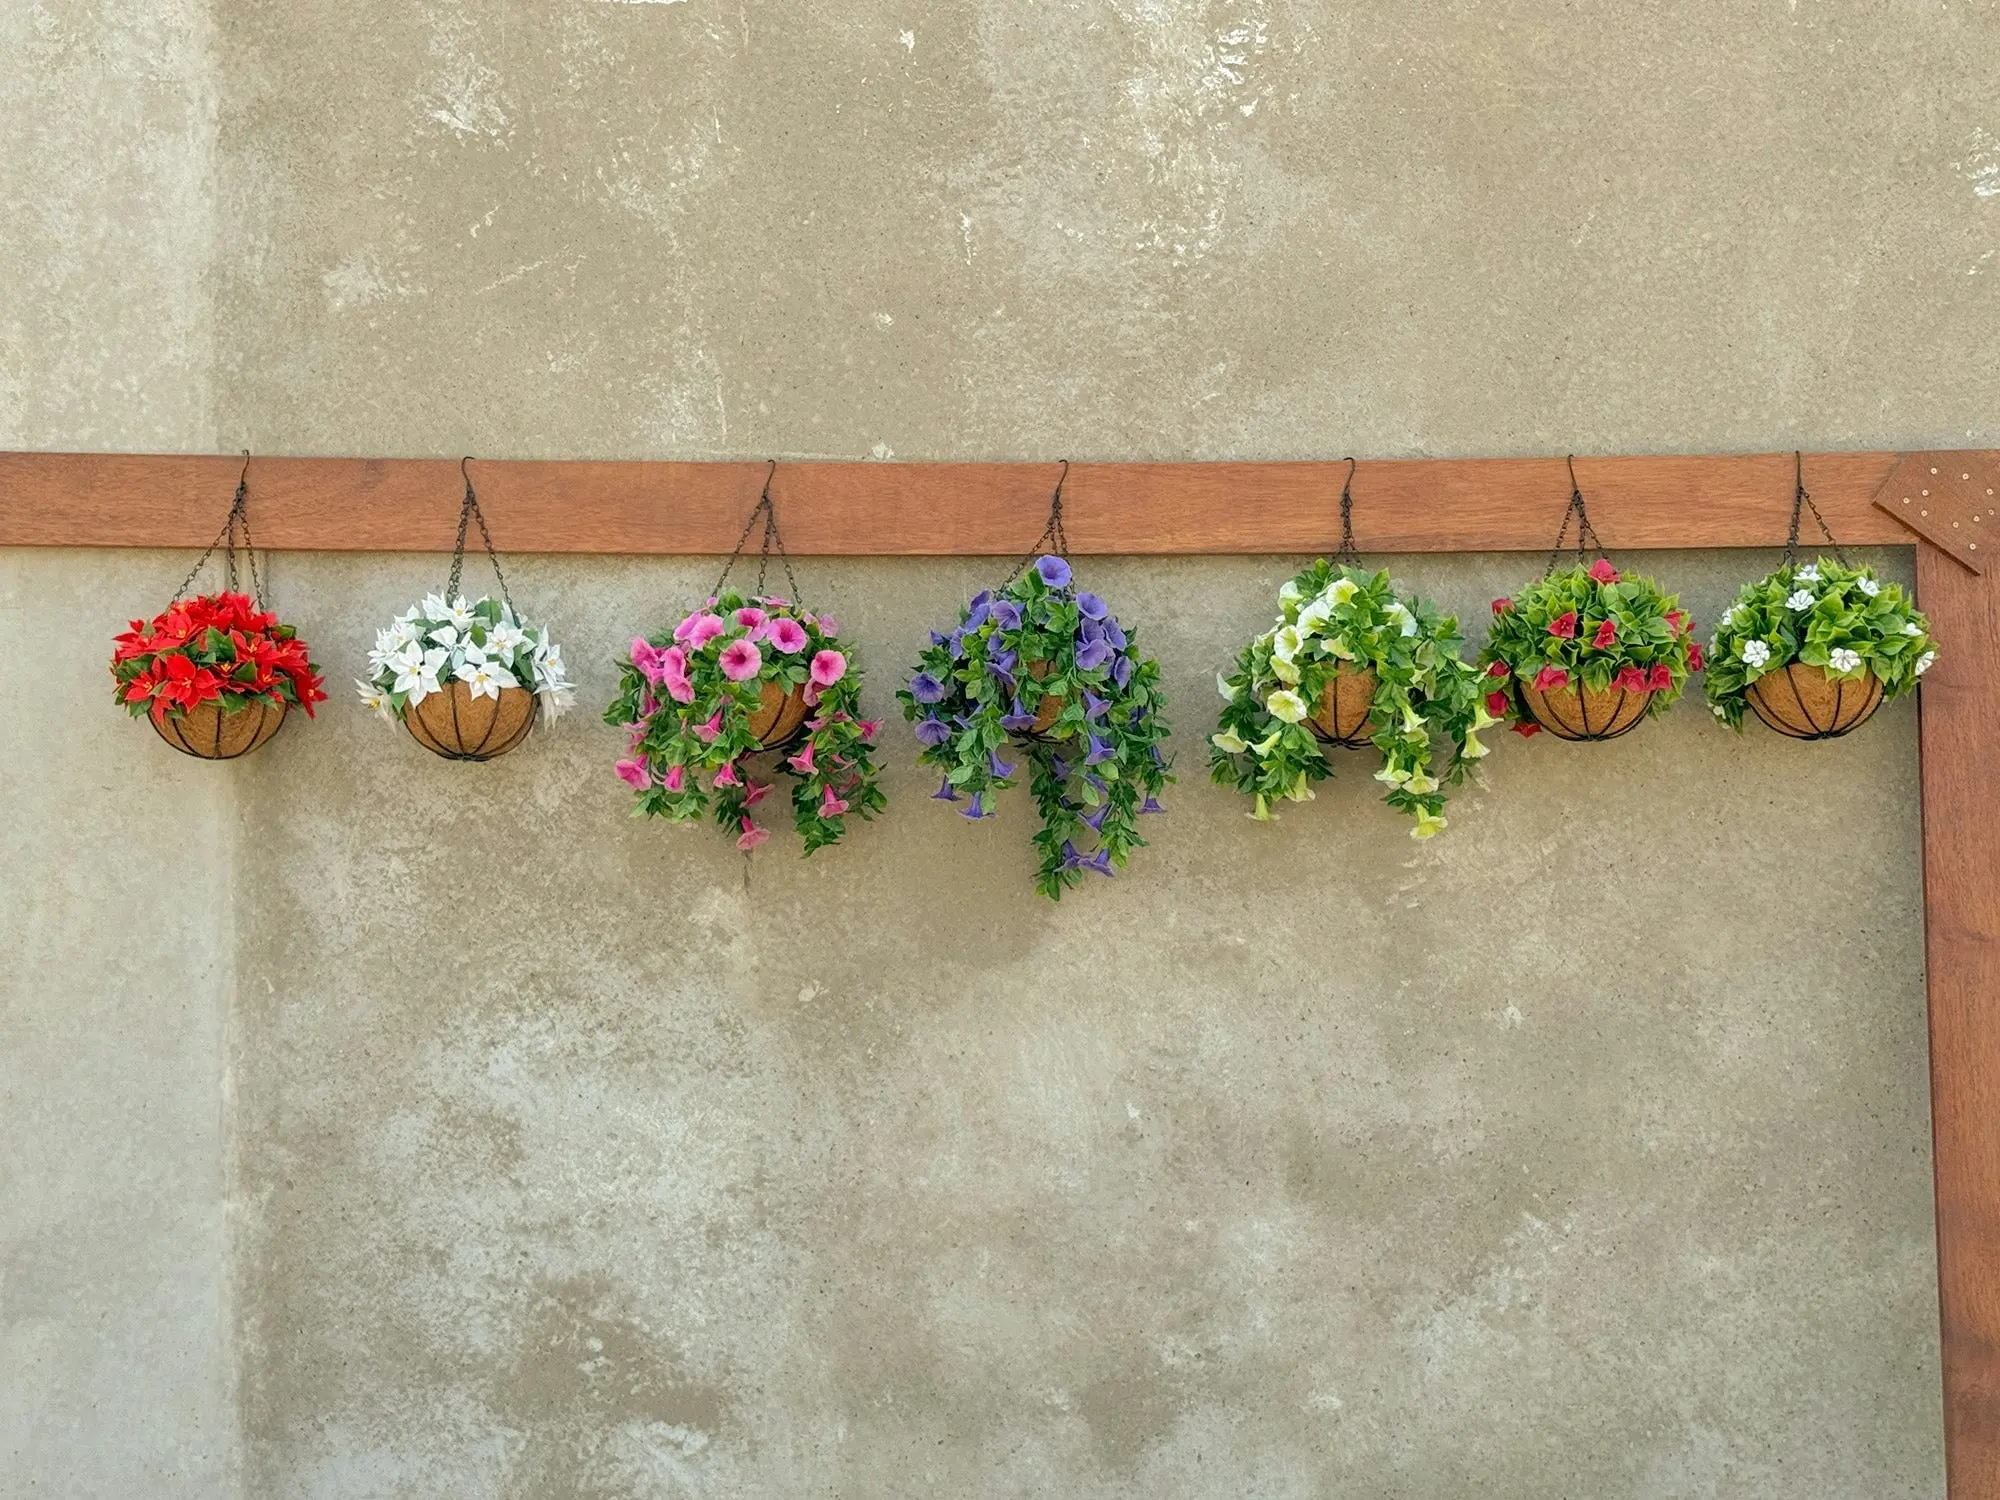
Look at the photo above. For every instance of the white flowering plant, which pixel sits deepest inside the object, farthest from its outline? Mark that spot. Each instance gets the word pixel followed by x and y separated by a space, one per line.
pixel 1334 620
pixel 1822 614
pixel 438 642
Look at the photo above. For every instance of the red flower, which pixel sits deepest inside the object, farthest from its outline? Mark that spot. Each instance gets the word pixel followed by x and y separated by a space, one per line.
pixel 188 685
pixel 1603 572
pixel 1501 606
pixel 1694 657
pixel 1607 634
pixel 1550 678
pixel 1526 728
pixel 1674 618
pixel 1498 669
pixel 1631 679
pixel 1661 678
pixel 1564 625
pixel 1496 704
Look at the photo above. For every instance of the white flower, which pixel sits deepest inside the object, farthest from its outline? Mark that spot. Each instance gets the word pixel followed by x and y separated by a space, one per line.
pixel 506 638
pixel 1285 644
pixel 1924 662
pixel 1799 599
pixel 1228 689
pixel 1868 585
pixel 447 636
pixel 1728 619
pixel 1285 670
pixel 1911 627
pixel 373 697
pixel 1808 574
pixel 1843 660
pixel 1337 644
pixel 1392 774
pixel 419 678
pixel 1755 653
pixel 1718 710
pixel 460 614
pixel 1229 742
pixel 1396 612
pixel 1289 594
pixel 1341 590
pixel 1313 616
pixel 433 608
pixel 1287 705
pixel 483 677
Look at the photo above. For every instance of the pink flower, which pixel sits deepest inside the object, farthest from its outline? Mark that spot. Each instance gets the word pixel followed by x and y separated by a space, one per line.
pixel 1631 679
pixel 757 792
pixel 1501 606
pixel 727 775
pixel 703 629
pixel 828 626
pixel 707 733
pixel 657 665
pixel 1564 625
pixel 1550 678
pixel 828 667
pixel 752 836
pixel 788 635
pixel 803 761
pixel 750 617
pixel 686 628
pixel 675 778
pixel 869 727
pixel 830 806
pixel 633 735
pixel 741 660
pixel 680 689
pixel 635 774
pixel 1661 678
pixel 1601 571
pixel 1607 634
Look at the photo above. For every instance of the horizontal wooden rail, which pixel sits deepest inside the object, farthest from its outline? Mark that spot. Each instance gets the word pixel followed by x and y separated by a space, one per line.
pixel 896 509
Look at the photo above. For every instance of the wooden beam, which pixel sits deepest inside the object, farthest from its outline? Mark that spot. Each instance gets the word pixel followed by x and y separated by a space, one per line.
pixel 895 509
pixel 1961 767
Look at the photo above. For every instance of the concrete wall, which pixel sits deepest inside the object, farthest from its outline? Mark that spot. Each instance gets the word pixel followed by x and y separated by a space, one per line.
pixel 1582 1151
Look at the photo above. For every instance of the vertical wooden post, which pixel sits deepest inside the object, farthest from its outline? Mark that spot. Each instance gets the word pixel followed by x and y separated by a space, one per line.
pixel 1961 802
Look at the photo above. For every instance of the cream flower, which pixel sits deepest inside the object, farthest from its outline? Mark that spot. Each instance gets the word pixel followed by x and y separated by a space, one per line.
pixel 1313 616
pixel 1267 744
pixel 1429 825
pixel 1473 749
pixel 1228 742
pixel 1287 705
pixel 1289 594
pixel 1392 774
pixel 1285 670
pixel 1286 642
pixel 1300 790
pixel 1228 688
pixel 1341 590
pixel 1403 617
pixel 1423 781
pixel 1262 812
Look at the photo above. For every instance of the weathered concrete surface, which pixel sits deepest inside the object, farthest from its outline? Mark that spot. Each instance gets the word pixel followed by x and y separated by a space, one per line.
pixel 1240 1177
pixel 1581 1151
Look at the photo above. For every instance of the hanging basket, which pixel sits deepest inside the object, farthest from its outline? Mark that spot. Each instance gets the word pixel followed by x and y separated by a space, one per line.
pixel 453 723
pixel 779 717
pixel 1806 704
pixel 207 732
pixel 1595 714
pixel 1345 711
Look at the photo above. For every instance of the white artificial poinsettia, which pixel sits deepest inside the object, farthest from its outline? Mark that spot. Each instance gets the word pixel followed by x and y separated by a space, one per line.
pixel 482 645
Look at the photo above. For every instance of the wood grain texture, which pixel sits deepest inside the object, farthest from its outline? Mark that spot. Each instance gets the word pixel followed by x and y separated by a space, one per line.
pixel 1951 500
pixel 893 509
pixel 1961 768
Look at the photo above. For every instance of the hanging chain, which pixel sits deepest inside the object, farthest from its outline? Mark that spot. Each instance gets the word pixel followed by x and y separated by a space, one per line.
pixel 1802 501
pixel 1053 537
pixel 766 508
pixel 239 519
pixel 468 512
pixel 1586 534
pixel 1349 555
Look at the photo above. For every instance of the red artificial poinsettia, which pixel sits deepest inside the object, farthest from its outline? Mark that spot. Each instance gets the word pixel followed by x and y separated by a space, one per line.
pixel 209 647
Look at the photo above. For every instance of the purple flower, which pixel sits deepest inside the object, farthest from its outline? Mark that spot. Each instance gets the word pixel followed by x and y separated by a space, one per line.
pixel 1007 614
pixel 1100 862
pixel 1054 571
pixel 1002 660
pixel 1099 752
pixel 956 640
pixel 926 688
pixel 1093 705
pixel 1058 768
pixel 1095 817
pixel 977 810
pixel 938 638
pixel 945 792
pixel 1092 654
pixel 1070 858
pixel 1017 719
pixel 1114 634
pixel 1091 607
pixel 1092 630
pixel 1000 769
pixel 1087 776
pixel 984 596
pixel 1121 671
pixel 1151 804
pixel 976 616
pixel 932 731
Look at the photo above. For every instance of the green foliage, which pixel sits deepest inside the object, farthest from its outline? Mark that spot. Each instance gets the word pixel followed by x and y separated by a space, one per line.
pixel 1095 769
pixel 1823 614
pixel 1591 628
pixel 1345 620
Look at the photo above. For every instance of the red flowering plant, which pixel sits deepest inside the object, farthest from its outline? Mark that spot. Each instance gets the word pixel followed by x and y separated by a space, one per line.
pixel 1587 652
pixel 214 648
